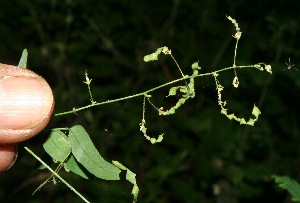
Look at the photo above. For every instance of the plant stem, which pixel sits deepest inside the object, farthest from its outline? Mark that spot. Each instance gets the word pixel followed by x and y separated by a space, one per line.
pixel 58 176
pixel 151 90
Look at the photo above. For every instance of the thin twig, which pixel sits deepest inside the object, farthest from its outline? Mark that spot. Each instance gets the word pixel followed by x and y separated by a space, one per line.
pixel 54 173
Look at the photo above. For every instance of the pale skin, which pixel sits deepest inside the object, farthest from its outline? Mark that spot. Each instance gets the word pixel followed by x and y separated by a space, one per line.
pixel 26 105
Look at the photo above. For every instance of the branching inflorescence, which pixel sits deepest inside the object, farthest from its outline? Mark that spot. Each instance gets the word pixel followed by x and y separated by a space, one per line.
pixel 69 146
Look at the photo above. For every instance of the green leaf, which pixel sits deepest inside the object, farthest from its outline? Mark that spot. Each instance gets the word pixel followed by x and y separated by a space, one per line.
pixel 85 153
pixel 290 185
pixel 57 146
pixel 23 60
pixel 73 166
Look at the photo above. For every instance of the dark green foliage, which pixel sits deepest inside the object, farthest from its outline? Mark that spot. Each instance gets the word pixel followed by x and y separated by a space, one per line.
pixel 290 185
pixel 204 157
pixel 85 153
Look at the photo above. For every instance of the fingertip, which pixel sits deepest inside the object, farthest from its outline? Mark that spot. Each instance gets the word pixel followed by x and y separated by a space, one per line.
pixel 8 156
pixel 26 104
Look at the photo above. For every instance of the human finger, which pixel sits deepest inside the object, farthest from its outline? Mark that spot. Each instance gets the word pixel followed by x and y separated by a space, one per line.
pixel 8 156
pixel 26 104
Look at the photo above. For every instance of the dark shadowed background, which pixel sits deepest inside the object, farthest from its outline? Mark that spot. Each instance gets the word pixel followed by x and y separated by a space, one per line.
pixel 204 157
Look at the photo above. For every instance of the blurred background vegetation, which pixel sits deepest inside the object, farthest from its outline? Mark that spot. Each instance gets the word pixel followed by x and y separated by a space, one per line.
pixel 204 156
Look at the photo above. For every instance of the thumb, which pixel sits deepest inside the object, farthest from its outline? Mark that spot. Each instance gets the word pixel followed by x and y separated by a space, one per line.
pixel 26 105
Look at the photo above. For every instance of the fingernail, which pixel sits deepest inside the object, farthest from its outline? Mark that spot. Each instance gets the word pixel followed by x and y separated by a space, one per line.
pixel 23 103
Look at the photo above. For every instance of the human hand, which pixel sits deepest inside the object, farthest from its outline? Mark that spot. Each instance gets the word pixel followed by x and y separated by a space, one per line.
pixel 26 105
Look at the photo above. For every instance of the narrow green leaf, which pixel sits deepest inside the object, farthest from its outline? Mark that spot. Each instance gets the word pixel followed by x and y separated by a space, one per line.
pixel 73 166
pixel 23 60
pixel 85 153
pixel 57 146
pixel 290 185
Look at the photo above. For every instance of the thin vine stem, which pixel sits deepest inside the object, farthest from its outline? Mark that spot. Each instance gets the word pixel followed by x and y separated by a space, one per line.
pixel 187 87
pixel 177 65
pixel 234 58
pixel 235 50
pixel 74 110
pixel 56 175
